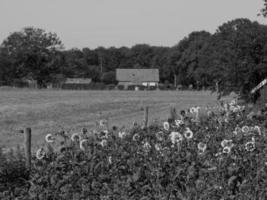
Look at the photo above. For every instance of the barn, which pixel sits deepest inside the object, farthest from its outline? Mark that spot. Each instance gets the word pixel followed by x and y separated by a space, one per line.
pixel 77 83
pixel 260 92
pixel 137 77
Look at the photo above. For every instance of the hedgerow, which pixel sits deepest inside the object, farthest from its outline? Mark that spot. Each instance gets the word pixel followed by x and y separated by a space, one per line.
pixel 207 154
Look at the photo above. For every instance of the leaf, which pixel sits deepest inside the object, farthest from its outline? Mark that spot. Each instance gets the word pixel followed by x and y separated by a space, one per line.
pixel 136 175
pixel 231 180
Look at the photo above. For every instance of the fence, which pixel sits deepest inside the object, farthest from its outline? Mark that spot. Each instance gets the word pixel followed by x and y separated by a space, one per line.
pixel 28 134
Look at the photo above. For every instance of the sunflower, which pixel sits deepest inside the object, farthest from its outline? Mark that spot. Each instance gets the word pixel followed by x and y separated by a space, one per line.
pixel 136 137
pixel 109 159
pixel 179 122
pixel 166 126
pixel 160 136
pixel 233 102
pixel 188 134
pixel 227 150
pixel 176 137
pixel 82 144
pixel 122 134
pixel 103 134
pixel 238 129
pixel 201 147
pixel 146 147
pixel 158 147
pixel 226 143
pixel 103 122
pixel 257 129
pixel 245 129
pixel 40 153
pixel 75 137
pixel 103 143
pixel 250 146
pixel 49 138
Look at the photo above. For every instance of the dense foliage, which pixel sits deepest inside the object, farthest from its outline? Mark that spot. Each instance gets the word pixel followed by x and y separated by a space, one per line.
pixel 30 53
pixel 234 57
pixel 207 154
pixel 264 9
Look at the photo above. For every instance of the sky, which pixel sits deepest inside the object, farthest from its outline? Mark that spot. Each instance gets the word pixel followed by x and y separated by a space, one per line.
pixel 107 23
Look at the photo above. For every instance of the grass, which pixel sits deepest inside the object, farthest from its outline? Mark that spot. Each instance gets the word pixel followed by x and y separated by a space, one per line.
pixel 50 110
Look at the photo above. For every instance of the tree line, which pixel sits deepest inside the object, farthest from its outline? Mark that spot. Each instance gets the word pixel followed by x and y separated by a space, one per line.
pixel 234 57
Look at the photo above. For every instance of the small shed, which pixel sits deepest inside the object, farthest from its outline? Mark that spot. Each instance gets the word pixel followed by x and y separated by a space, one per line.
pixel 259 92
pixel 25 82
pixel 77 83
pixel 137 77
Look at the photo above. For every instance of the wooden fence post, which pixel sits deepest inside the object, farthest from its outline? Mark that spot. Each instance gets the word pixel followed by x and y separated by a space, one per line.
pixel 27 147
pixel 173 114
pixel 146 117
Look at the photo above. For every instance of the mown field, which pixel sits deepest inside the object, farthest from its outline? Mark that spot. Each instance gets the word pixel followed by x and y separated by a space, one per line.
pixel 50 110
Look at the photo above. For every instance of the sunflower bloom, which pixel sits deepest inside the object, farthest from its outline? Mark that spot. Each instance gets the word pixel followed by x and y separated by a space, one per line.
pixel 176 137
pixel 238 129
pixel 103 143
pixel 202 147
pixel 160 136
pixel 257 129
pixel 40 154
pixel 188 134
pixel 250 146
pixel 226 143
pixel 158 147
pixel 166 126
pixel 49 138
pixel 179 122
pixel 136 137
pixel 122 134
pixel 103 122
pixel 147 147
pixel 110 160
pixel 82 144
pixel 75 137
pixel 245 129
pixel 227 149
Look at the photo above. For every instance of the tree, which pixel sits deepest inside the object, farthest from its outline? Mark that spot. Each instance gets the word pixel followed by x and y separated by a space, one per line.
pixel 187 58
pixel 32 52
pixel 109 77
pixel 235 55
pixel 264 9
pixel 6 74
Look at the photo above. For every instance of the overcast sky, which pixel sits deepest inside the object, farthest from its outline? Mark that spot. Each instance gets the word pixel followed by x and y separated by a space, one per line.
pixel 93 23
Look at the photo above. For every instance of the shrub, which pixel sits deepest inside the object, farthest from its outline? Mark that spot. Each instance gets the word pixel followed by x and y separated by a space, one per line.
pixel 13 174
pixel 111 87
pixel 120 87
pixel 217 155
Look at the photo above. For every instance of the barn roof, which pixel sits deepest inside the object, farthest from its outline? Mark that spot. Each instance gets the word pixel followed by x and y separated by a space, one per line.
pixel 137 75
pixel 260 85
pixel 78 80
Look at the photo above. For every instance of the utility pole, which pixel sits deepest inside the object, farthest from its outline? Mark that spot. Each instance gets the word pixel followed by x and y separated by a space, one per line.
pixel 101 64
pixel 175 80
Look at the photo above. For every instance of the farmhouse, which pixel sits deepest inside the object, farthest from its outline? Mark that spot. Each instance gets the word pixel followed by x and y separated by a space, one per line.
pixel 260 92
pixel 137 77
pixel 76 83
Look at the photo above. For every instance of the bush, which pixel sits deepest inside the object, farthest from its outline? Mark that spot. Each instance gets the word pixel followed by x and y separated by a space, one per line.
pixel 120 87
pixel 13 174
pixel 111 87
pixel 220 154
pixel 99 86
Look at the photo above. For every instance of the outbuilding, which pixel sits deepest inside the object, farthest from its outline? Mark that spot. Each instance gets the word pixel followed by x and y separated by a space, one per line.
pixel 137 77
pixel 77 83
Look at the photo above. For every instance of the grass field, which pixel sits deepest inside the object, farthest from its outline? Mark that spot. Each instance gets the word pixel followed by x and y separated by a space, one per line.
pixel 50 110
